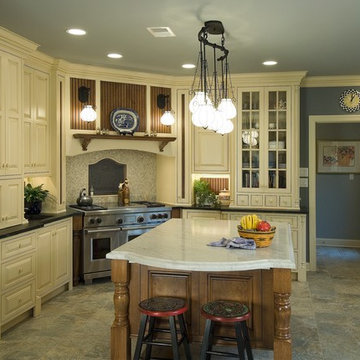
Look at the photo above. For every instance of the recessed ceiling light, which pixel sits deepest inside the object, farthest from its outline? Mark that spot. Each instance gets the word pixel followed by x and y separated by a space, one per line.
pixel 188 66
pixel 77 32
pixel 114 56
pixel 270 62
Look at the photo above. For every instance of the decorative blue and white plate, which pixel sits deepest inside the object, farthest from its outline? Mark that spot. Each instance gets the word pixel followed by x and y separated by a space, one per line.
pixel 125 121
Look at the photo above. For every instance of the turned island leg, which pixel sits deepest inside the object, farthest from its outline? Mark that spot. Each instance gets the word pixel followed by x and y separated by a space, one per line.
pixel 282 310
pixel 120 339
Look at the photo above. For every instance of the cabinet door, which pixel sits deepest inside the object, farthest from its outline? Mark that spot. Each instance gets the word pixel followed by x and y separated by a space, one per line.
pixel 277 142
pixel 211 151
pixel 36 121
pixel 61 253
pixel 11 194
pixel 13 113
pixel 249 139
pixel 43 261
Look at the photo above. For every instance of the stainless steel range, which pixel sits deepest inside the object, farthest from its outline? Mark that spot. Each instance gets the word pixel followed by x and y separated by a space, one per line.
pixel 106 228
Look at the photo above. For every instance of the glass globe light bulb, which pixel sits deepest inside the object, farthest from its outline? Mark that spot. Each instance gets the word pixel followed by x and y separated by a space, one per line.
pixel 216 122
pixel 88 113
pixel 228 108
pixel 167 118
pixel 226 127
pixel 198 99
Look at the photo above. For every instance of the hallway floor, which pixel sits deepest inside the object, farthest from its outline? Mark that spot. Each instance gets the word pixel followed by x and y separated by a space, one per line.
pixel 325 318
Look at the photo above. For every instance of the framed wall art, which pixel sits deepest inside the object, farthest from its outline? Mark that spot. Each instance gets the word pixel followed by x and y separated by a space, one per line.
pixel 338 156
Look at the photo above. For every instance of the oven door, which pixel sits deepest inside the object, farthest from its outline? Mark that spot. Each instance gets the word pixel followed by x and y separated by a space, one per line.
pixel 96 244
pixel 129 233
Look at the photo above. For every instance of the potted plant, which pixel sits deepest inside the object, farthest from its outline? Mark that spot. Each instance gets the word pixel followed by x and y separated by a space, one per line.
pixel 204 196
pixel 33 198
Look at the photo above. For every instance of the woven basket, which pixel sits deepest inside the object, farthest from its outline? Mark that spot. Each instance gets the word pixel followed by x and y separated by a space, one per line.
pixel 262 238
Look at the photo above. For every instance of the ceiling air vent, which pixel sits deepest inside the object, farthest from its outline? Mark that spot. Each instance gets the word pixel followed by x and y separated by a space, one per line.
pixel 160 31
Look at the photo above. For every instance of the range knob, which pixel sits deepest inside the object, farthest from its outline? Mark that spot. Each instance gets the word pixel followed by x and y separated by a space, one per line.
pixel 165 216
pixel 160 216
pixel 99 220
pixel 140 219
pixel 119 221
pixel 92 221
pixel 153 216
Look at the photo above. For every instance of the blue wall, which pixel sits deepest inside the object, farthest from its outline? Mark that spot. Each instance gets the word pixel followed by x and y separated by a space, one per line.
pixel 338 197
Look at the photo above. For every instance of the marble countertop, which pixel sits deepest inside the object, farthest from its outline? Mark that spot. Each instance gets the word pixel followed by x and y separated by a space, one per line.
pixel 182 244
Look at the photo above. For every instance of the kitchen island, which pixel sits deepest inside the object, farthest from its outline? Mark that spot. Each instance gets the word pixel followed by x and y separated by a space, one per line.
pixel 174 259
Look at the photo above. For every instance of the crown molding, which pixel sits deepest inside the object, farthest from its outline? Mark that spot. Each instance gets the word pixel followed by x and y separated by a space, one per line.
pixel 331 81
pixel 16 43
pixel 270 78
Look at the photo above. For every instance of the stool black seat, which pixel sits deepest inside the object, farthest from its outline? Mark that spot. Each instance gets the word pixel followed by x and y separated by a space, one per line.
pixel 226 312
pixel 158 307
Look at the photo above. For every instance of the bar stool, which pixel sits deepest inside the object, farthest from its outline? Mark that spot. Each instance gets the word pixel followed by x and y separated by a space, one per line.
pixel 226 312
pixel 158 307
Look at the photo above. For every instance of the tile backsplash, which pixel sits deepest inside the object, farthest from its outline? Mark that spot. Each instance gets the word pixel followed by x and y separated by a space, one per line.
pixel 141 172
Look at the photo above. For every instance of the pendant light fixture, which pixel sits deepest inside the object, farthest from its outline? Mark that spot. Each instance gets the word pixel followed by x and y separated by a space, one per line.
pixel 212 105
pixel 163 102
pixel 87 113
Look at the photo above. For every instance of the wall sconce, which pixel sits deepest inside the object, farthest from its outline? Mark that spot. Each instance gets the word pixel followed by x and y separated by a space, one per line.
pixel 167 118
pixel 87 113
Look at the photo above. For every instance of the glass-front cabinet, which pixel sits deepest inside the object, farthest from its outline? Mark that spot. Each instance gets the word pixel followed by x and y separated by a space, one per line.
pixel 265 147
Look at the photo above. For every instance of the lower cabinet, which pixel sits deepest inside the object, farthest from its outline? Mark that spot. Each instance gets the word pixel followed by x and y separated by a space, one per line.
pixel 34 265
pixel 18 268
pixel 201 214
pixel 54 258
pixel 296 221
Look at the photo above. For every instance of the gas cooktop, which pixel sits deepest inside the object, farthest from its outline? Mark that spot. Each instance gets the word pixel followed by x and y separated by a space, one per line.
pixel 134 204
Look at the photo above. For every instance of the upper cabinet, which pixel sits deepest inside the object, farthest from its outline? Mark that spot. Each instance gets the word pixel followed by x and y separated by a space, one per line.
pixel 36 122
pixel 267 148
pixel 10 115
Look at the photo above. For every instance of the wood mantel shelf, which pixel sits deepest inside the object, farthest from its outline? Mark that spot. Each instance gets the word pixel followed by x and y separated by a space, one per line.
pixel 86 138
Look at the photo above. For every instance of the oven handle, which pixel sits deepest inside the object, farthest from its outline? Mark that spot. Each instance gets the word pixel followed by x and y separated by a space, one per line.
pixel 129 228
pixel 102 230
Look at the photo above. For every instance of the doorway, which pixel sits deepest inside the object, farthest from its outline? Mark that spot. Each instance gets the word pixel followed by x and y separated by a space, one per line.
pixel 313 122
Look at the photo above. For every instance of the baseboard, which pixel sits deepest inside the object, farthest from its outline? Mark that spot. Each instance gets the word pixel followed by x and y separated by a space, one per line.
pixel 338 242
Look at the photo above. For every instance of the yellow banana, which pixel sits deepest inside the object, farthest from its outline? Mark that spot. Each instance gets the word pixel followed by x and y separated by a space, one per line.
pixel 249 222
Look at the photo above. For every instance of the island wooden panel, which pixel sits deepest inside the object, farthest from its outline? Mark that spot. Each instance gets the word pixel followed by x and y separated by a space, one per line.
pixel 254 288
pixel 76 106
pixel 155 112
pixel 120 95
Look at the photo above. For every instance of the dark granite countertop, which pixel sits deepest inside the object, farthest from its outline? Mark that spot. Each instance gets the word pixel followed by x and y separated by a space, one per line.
pixel 36 222
pixel 252 210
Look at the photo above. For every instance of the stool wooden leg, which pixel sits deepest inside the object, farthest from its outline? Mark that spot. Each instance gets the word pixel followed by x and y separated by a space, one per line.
pixel 207 340
pixel 140 338
pixel 247 340
pixel 239 341
pixel 184 333
pixel 151 337
pixel 174 341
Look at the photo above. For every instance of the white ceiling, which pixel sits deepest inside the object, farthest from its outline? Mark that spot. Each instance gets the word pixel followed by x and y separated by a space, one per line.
pixel 320 36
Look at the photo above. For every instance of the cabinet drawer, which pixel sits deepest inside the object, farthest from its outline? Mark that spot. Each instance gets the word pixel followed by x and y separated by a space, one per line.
pixel 256 200
pixel 17 301
pixel 271 200
pixel 17 271
pixel 17 246
pixel 243 200
pixel 285 201
pixel 292 220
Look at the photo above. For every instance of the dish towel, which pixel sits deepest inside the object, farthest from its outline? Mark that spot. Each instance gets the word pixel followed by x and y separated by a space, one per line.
pixel 235 243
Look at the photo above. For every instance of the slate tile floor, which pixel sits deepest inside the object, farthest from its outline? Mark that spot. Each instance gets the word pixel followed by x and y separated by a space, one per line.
pixel 325 318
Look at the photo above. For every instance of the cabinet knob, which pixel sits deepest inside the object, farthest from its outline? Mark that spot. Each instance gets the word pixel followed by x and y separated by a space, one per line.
pixel 19 245
pixel 20 270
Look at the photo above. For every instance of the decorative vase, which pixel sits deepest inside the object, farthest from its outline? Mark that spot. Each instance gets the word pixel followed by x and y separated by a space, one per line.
pixel 33 208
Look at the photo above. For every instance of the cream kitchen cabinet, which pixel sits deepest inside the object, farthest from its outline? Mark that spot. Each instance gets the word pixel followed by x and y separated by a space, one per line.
pixel 53 258
pixel 298 233
pixel 10 115
pixel 200 214
pixel 267 155
pixel 211 152
pixel 17 276
pixel 36 122
pixel 11 200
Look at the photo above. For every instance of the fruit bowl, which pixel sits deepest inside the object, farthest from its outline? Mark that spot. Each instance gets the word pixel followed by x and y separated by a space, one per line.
pixel 261 238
